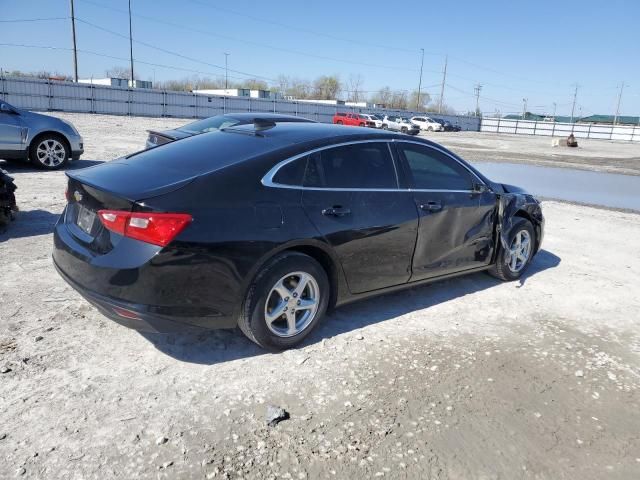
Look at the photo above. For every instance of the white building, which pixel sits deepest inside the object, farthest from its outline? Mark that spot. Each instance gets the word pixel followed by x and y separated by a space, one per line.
pixel 237 92
pixel 117 82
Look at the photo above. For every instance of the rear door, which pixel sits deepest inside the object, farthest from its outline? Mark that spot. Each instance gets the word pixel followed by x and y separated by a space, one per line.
pixel 457 212
pixel 351 195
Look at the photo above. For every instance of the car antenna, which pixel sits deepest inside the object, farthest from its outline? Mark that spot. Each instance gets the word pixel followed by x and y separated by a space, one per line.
pixel 260 124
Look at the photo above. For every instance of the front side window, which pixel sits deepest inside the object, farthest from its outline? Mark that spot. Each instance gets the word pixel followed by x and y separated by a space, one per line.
pixel 361 165
pixel 433 170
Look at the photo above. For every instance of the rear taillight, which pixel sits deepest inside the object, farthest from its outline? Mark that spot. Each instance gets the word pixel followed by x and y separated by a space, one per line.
pixel 156 228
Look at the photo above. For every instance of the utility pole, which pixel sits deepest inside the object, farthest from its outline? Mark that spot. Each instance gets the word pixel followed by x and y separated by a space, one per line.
pixel 524 108
pixel 420 80
pixel 131 45
pixel 75 49
pixel 477 89
pixel 573 107
pixel 554 110
pixel 444 80
pixel 615 119
pixel 226 71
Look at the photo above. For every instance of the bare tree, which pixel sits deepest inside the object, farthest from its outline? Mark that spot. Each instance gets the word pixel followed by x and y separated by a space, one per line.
pixel 119 72
pixel 425 98
pixel 326 87
pixel 354 88
pixel 382 97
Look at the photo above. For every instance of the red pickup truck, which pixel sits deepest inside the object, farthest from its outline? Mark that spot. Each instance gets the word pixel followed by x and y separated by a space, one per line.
pixel 355 119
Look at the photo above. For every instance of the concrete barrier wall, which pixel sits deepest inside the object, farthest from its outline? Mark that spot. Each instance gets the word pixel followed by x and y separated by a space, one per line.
pixel 628 133
pixel 53 95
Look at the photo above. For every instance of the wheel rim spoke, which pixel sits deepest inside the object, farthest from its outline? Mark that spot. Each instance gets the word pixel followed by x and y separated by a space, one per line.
pixel 291 322
pixel 306 304
pixel 276 313
pixel 519 251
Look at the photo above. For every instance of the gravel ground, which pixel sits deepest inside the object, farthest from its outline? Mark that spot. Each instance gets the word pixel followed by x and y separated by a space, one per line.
pixel 468 378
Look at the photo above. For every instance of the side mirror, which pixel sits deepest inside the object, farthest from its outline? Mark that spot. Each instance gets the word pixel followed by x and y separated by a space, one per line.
pixel 4 108
pixel 479 188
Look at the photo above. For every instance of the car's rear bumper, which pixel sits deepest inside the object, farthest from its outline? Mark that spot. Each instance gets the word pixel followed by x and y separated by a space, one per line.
pixel 130 315
pixel 159 295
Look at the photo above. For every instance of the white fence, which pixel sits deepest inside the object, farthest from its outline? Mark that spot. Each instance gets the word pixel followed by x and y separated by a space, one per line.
pixel 53 95
pixel 629 133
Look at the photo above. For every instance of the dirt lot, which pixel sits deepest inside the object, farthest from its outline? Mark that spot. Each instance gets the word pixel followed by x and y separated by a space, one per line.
pixel 468 378
pixel 597 155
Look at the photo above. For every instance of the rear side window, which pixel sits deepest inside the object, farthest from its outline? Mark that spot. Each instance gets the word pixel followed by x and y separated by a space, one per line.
pixel 362 165
pixel 433 170
pixel 292 173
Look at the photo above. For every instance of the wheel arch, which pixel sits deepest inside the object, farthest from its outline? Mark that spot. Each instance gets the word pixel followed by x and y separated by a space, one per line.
pixel 317 250
pixel 523 213
pixel 45 133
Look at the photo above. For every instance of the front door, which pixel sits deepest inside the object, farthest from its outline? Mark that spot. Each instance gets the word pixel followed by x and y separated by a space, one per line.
pixel 351 195
pixel 456 227
pixel 11 128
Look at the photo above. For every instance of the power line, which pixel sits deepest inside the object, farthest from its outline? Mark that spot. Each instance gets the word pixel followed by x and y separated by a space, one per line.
pixel 250 42
pixel 306 30
pixel 169 52
pixel 97 54
pixel 21 20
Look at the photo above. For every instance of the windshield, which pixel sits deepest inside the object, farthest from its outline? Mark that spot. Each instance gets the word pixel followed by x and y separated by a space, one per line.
pixel 210 124
pixel 375 117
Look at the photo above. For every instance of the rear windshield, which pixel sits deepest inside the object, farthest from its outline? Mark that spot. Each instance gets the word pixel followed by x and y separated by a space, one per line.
pixel 202 153
pixel 210 124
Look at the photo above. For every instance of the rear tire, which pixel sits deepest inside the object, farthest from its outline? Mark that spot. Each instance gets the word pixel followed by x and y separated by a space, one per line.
pixel 339 122
pixel 404 130
pixel 49 151
pixel 285 302
pixel 430 129
pixel 507 268
pixel 385 126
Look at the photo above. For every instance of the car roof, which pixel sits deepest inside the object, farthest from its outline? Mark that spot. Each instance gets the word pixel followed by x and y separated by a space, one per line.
pixel 276 117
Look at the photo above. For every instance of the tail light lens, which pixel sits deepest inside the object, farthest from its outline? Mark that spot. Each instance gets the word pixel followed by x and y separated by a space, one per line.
pixel 155 228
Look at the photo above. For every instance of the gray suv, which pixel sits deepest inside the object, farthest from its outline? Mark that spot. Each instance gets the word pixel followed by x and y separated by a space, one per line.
pixel 48 142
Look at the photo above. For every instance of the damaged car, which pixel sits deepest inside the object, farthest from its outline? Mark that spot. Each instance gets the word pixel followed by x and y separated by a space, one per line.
pixel 268 226
pixel 8 206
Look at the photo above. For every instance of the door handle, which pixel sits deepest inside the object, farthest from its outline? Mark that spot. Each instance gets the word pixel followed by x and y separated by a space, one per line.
pixel 336 211
pixel 431 206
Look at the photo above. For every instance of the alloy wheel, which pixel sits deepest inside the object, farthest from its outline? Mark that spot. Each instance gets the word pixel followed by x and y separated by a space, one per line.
pixel 50 152
pixel 292 304
pixel 519 251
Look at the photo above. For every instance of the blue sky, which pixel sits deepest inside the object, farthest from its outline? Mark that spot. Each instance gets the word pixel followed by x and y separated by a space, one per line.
pixel 516 49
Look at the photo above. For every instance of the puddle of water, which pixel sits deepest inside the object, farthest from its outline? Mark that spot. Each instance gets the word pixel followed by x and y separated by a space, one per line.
pixel 596 188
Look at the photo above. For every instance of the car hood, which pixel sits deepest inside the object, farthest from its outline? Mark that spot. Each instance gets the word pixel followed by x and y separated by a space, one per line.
pixel 513 188
pixel 34 119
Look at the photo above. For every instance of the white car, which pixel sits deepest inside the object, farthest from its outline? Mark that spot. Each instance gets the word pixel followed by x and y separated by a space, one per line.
pixel 399 124
pixel 375 119
pixel 427 124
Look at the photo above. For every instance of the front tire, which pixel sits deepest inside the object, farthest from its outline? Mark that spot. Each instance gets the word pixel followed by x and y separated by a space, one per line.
pixel 430 129
pixel 49 152
pixel 385 126
pixel 285 302
pixel 513 262
pixel 339 122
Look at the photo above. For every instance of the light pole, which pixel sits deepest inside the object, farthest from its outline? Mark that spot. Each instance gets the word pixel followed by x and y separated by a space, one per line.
pixel 75 50
pixel 615 119
pixel 420 80
pixel 524 108
pixel 226 70
pixel 131 46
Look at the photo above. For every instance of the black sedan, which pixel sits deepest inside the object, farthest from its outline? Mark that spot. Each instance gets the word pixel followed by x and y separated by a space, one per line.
pixel 218 122
pixel 267 227
pixel 447 126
